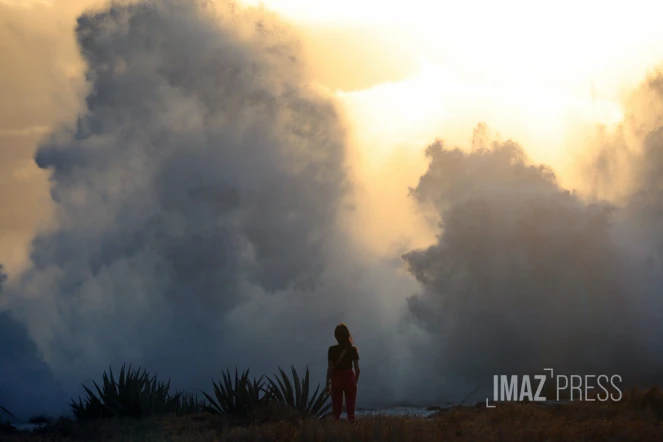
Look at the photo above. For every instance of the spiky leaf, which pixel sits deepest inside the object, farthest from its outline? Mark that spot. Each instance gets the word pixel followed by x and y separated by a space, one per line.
pixel 298 398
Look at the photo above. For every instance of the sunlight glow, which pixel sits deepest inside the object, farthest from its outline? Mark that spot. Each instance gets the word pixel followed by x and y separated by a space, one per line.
pixel 26 3
pixel 528 70
pixel 432 103
pixel 401 112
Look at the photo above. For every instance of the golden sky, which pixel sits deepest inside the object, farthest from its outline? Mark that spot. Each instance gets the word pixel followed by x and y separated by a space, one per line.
pixel 406 72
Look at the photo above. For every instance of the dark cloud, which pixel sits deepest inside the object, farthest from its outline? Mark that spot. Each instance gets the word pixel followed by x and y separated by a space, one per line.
pixel 41 86
pixel 27 386
pixel 198 205
pixel 527 275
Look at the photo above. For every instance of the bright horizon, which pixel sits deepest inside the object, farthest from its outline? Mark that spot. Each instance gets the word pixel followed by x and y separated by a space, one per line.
pixel 534 74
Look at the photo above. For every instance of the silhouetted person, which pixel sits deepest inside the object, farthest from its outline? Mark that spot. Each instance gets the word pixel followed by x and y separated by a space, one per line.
pixel 340 377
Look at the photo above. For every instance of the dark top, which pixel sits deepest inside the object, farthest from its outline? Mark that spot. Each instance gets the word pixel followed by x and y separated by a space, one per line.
pixel 351 355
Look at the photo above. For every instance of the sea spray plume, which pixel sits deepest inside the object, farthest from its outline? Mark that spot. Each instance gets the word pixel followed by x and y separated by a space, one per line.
pixel 524 275
pixel 640 233
pixel 619 160
pixel 27 386
pixel 204 174
pixel 626 168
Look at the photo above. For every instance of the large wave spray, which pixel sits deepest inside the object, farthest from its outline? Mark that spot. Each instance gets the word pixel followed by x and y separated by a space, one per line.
pixel 199 201
pixel 527 275
pixel 202 202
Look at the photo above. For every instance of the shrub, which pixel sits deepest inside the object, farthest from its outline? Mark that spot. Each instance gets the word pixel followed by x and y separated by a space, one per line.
pixel 4 410
pixel 5 426
pixel 189 404
pixel 239 399
pixel 648 399
pixel 134 394
pixel 299 398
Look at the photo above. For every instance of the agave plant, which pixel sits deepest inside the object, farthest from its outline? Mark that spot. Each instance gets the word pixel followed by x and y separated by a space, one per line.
pixel 238 399
pixel 9 413
pixel 190 404
pixel 299 397
pixel 134 394
pixel 5 426
pixel 92 408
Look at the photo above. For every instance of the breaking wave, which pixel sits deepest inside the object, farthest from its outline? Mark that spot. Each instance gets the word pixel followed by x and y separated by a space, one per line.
pixel 202 204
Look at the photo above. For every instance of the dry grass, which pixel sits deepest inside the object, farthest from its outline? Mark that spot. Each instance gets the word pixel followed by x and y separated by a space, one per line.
pixel 637 417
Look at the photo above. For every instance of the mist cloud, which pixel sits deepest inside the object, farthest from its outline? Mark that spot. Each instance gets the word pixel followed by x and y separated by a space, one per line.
pixel 202 200
pixel 203 164
pixel 199 203
pixel 27 385
pixel 527 275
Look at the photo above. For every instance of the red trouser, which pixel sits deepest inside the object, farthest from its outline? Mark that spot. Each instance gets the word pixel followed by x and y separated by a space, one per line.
pixel 343 381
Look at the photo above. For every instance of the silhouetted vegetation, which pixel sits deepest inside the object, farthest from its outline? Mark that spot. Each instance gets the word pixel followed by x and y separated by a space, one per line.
pixel 4 410
pixel 636 418
pixel 5 426
pixel 136 406
pixel 257 400
pixel 298 398
pixel 39 420
pixel 135 394
pixel 239 398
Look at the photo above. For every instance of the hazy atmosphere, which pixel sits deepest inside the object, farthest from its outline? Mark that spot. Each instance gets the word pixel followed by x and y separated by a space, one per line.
pixel 191 186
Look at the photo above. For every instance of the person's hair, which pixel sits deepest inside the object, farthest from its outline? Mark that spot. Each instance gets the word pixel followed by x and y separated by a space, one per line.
pixel 342 334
